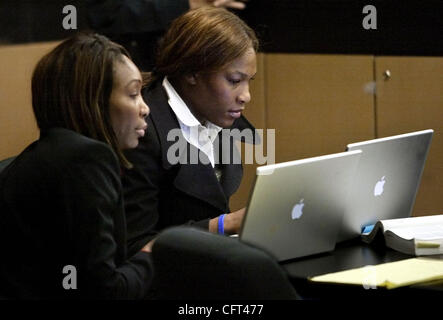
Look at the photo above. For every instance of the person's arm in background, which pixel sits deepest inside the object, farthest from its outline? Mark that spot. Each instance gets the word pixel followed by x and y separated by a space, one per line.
pixel 139 24
pixel 136 16
pixel 122 17
pixel 232 4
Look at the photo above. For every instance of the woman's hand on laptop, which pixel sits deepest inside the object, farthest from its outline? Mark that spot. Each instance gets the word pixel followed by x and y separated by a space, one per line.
pixel 232 222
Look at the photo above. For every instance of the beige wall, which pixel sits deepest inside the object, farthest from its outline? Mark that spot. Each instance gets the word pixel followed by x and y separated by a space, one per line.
pixel 410 100
pixel 317 103
pixel 17 123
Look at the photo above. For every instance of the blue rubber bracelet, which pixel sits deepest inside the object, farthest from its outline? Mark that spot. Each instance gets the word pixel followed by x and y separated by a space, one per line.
pixel 221 224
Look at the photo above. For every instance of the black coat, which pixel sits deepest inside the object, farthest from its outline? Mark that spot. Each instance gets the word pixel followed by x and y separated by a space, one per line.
pixel 159 194
pixel 61 205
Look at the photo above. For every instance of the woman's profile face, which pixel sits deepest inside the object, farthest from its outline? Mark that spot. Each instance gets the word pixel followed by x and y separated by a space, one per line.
pixel 127 107
pixel 221 96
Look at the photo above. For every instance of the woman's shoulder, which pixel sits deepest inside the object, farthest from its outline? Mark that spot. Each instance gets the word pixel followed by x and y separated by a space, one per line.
pixel 61 152
pixel 69 145
pixel 70 139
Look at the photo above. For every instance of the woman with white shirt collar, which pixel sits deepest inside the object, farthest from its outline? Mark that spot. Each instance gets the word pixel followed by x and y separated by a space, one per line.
pixel 199 87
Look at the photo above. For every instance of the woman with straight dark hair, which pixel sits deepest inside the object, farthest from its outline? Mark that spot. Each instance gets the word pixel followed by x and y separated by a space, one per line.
pixel 200 86
pixel 62 229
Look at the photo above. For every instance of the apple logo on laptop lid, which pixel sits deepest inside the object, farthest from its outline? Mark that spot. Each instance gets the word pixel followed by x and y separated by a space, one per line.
pixel 297 211
pixel 379 187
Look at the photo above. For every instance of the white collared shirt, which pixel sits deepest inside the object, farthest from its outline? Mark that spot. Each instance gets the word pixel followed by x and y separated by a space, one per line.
pixel 200 136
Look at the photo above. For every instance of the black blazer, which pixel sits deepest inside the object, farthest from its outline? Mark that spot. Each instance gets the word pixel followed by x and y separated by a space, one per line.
pixel 61 204
pixel 159 194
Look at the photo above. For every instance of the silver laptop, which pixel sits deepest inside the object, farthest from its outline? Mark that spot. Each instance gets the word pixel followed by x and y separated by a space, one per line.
pixel 387 180
pixel 295 208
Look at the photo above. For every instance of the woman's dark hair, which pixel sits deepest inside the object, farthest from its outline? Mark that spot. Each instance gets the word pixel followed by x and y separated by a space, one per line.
pixel 72 85
pixel 202 40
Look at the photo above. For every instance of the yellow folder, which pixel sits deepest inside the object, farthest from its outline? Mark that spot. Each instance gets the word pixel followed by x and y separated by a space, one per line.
pixel 390 275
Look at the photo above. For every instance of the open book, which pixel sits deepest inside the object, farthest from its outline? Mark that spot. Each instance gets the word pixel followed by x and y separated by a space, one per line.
pixel 415 236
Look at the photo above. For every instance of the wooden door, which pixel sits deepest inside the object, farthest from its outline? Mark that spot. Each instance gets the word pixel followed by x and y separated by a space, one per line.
pixel 316 104
pixel 410 98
